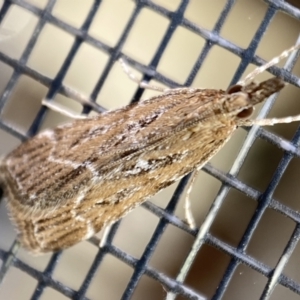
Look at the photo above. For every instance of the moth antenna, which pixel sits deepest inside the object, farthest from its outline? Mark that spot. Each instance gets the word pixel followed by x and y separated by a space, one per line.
pixel 271 121
pixel 142 84
pixel 267 65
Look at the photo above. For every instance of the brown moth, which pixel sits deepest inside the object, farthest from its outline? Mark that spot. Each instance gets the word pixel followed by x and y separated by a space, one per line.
pixel 64 185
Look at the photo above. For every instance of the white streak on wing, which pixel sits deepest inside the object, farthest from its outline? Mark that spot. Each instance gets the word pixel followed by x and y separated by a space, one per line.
pixel 66 162
pixel 79 218
pixel 90 231
pixel 46 133
pixel 80 197
pixel 141 165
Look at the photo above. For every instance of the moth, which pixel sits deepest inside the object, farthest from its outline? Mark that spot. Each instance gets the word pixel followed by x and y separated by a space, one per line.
pixel 64 185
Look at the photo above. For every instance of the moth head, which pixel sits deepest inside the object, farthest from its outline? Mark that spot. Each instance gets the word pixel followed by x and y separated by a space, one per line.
pixel 243 98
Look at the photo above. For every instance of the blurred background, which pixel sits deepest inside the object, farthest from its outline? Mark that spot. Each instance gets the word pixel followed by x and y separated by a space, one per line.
pixel 20 107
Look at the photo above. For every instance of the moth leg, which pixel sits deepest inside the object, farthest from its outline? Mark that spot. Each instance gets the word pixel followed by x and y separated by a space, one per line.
pixel 104 237
pixel 267 65
pixel 62 110
pixel 187 201
pixel 141 84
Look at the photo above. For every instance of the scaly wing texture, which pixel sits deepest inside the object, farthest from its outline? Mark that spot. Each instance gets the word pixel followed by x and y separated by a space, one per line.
pixel 65 184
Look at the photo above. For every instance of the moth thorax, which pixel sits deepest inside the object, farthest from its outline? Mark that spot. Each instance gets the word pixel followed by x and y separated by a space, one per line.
pixel 238 102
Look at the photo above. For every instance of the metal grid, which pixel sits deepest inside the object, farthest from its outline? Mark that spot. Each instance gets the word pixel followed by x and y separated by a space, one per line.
pixel 237 254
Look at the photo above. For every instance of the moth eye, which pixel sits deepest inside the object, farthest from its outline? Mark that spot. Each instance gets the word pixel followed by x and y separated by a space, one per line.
pixel 234 89
pixel 245 113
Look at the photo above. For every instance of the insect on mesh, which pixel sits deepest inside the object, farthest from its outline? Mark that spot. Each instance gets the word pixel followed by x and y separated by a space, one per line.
pixel 46 46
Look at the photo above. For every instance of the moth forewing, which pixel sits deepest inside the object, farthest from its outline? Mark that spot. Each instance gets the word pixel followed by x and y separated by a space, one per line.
pixel 65 184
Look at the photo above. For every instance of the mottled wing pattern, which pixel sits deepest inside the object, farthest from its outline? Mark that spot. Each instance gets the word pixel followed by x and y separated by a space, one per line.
pixel 64 185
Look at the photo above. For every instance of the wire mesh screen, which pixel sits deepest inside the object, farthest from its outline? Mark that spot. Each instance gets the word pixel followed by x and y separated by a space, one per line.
pixel 245 201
